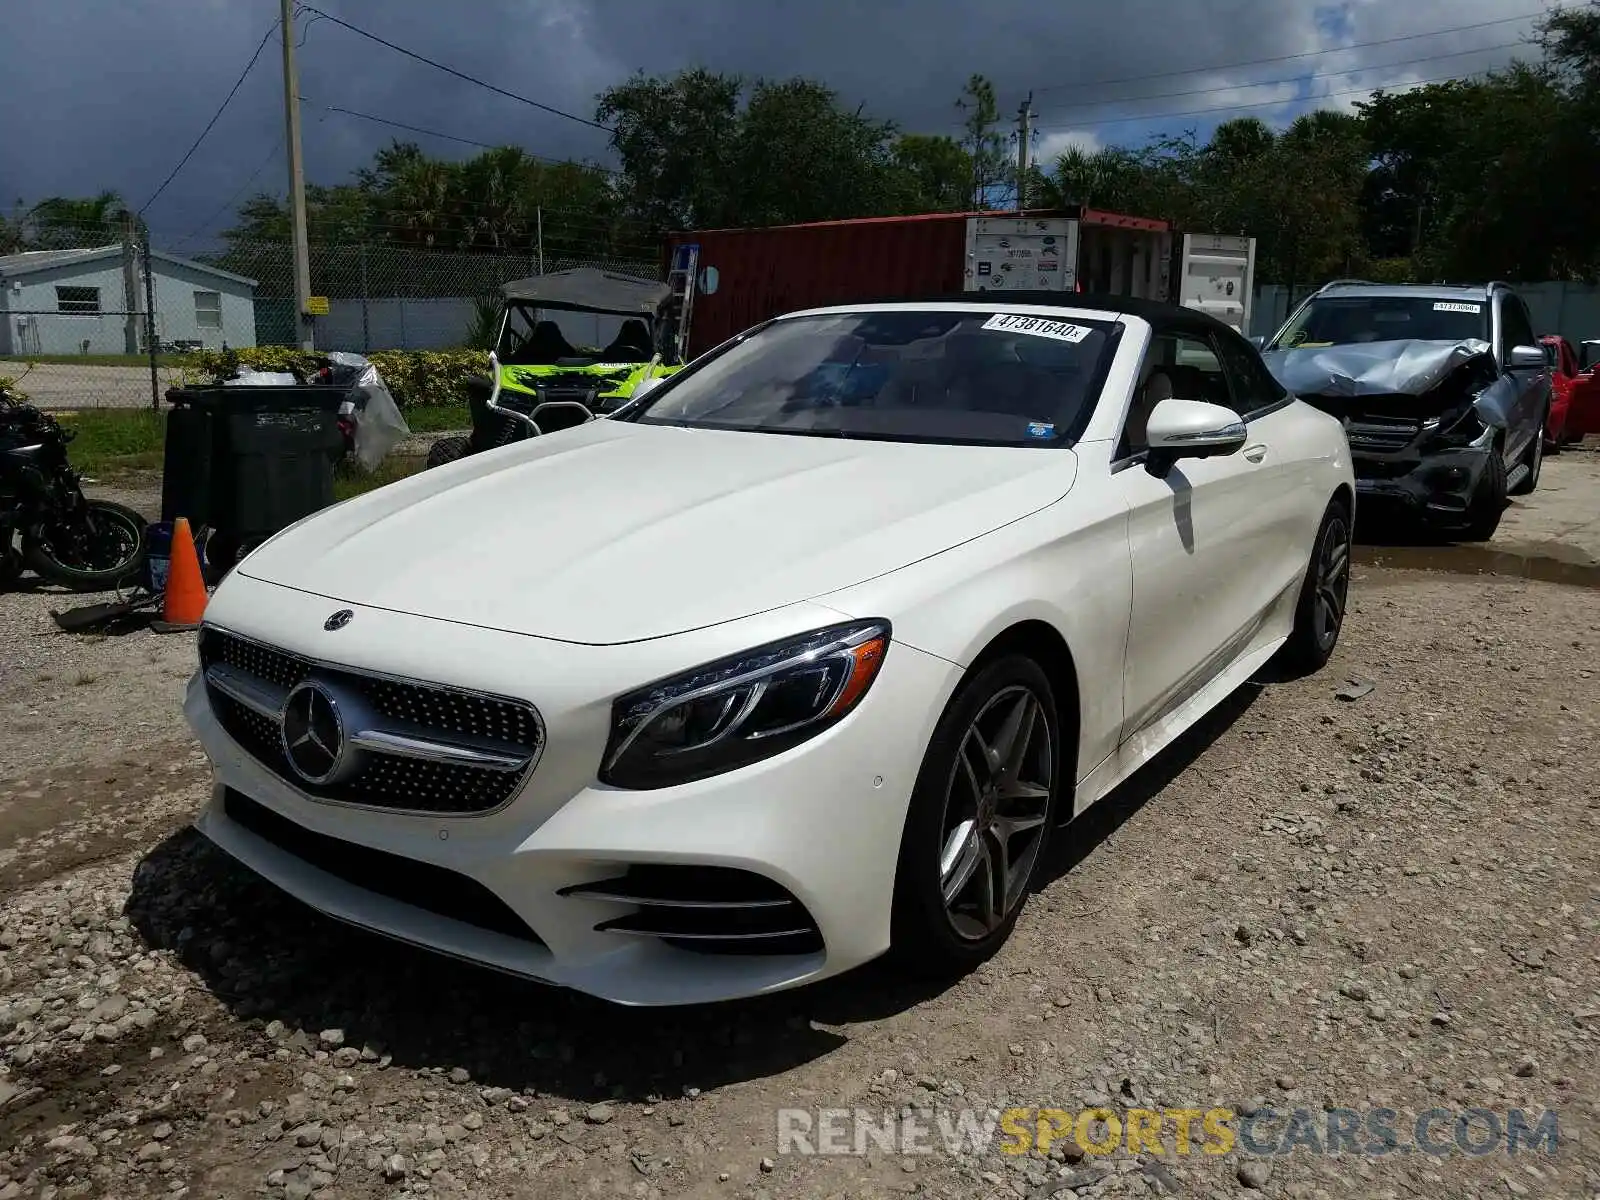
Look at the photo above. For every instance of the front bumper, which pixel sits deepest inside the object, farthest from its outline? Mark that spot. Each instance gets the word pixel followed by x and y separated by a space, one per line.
pixel 823 821
pixel 1439 485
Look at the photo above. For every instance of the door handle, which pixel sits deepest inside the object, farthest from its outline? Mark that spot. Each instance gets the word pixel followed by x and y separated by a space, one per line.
pixel 1257 452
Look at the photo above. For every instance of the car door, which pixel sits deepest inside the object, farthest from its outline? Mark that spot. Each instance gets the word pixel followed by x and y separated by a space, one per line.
pixel 1532 383
pixel 1198 537
pixel 1286 461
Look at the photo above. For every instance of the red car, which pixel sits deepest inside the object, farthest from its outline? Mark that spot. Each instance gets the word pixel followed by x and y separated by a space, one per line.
pixel 1564 374
pixel 1583 404
pixel 1574 391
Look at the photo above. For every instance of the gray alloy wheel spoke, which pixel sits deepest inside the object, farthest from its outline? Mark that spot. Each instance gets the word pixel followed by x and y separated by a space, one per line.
pixel 1336 561
pixel 966 763
pixel 960 859
pixel 986 752
pixel 993 897
pixel 1016 734
pixel 1023 791
pixel 1006 828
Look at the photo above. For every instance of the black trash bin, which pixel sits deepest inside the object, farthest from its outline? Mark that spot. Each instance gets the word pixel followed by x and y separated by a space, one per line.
pixel 249 461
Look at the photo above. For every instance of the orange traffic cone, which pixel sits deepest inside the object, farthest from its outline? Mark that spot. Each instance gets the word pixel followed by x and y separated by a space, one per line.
pixel 185 599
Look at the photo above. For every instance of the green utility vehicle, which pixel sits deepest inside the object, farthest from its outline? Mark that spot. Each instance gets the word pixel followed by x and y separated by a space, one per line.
pixel 539 382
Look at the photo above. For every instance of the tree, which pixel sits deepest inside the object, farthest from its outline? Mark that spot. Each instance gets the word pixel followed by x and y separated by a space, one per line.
pixel 935 171
pixel 799 156
pixel 676 138
pixel 1112 177
pixel 982 140
pixel 11 237
pixel 62 222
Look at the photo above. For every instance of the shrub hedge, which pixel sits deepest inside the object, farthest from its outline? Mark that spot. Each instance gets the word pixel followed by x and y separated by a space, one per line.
pixel 418 378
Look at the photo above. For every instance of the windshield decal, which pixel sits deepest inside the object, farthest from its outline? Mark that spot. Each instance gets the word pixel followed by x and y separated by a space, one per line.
pixel 1457 306
pixel 1041 429
pixel 1061 331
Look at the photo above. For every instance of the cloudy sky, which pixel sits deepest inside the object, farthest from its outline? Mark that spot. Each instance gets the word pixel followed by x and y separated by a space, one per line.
pixel 110 93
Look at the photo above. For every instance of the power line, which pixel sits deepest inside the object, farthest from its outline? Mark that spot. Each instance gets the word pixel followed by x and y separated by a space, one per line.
pixel 452 71
pixel 350 112
pixel 1254 62
pixel 214 116
pixel 237 196
pixel 1234 87
pixel 1196 112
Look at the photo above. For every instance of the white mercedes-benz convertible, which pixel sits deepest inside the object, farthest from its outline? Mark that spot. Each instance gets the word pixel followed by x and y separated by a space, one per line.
pixel 797 659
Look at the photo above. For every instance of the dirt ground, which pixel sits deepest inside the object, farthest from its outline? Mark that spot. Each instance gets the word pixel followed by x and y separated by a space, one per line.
pixel 1387 902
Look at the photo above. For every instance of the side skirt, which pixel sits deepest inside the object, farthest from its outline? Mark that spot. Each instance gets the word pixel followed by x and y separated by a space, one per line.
pixel 1161 733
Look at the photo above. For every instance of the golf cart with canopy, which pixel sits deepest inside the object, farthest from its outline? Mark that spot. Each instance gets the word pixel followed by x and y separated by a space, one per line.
pixel 539 382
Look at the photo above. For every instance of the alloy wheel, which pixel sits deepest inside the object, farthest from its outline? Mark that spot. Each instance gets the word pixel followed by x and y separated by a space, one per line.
pixel 996 805
pixel 1333 582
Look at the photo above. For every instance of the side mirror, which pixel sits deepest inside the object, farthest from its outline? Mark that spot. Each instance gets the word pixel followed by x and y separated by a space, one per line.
pixel 1191 429
pixel 1527 357
pixel 1258 340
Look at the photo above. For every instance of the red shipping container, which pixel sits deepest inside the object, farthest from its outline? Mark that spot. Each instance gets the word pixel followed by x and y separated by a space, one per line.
pixel 764 272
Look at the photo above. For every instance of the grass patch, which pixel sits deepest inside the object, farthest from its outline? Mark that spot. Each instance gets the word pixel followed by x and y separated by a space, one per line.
pixel 351 481
pixel 438 418
pixel 96 360
pixel 111 440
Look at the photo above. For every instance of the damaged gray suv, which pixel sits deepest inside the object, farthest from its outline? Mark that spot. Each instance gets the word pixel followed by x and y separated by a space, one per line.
pixel 1443 391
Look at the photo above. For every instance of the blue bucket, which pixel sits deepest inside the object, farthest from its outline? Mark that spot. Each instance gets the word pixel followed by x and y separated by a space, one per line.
pixel 158 555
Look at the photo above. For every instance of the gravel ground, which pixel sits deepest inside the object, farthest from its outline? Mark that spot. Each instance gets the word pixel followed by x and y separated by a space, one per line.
pixel 1392 901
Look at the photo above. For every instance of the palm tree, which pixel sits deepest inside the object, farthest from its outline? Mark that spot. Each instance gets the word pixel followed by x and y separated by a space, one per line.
pixel 421 202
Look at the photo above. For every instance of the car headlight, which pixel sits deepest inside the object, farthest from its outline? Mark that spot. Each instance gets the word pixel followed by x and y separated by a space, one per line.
pixel 1455 430
pixel 741 709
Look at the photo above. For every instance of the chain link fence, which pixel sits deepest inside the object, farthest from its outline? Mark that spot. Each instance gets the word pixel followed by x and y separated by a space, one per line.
pixel 93 317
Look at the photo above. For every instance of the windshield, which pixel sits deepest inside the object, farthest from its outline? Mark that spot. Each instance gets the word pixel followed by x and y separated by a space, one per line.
pixel 531 338
pixel 1342 320
pixel 990 377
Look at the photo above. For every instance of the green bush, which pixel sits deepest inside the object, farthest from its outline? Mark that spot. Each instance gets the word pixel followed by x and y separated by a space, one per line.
pixel 418 378
pixel 8 384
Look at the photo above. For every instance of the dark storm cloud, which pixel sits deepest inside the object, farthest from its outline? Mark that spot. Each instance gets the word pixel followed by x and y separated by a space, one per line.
pixel 109 93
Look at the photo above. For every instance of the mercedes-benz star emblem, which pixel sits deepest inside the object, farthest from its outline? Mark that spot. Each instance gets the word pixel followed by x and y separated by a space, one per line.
pixel 313 734
pixel 339 620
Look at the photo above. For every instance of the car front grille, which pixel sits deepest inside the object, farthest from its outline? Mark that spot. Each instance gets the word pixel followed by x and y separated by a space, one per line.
pixel 422 885
pixel 1383 435
pixel 413 747
pixel 709 910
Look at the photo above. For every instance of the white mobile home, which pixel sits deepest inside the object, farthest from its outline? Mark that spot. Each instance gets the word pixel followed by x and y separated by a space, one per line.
pixel 77 302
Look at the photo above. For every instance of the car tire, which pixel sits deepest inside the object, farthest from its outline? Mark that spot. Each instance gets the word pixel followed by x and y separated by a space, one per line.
pixel 1324 595
pixel 1489 502
pixel 1533 459
pixel 447 450
pixel 976 778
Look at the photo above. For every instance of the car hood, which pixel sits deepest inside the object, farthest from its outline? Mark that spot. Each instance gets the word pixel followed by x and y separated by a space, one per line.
pixel 1410 367
pixel 615 532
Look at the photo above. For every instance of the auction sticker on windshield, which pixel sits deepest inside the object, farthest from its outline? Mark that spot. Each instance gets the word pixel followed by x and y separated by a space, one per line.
pixel 1061 331
pixel 1457 306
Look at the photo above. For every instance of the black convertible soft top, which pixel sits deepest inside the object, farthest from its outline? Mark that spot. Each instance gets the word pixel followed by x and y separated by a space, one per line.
pixel 586 289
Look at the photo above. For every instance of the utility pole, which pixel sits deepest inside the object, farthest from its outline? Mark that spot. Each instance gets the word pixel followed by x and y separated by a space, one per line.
pixel 130 285
pixel 1025 115
pixel 151 341
pixel 297 182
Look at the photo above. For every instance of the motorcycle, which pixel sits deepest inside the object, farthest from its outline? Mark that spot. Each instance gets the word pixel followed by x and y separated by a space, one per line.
pixel 86 545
